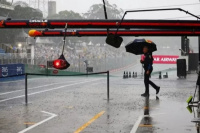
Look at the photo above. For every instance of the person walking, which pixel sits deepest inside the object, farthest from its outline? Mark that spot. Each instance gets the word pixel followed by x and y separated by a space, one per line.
pixel 148 67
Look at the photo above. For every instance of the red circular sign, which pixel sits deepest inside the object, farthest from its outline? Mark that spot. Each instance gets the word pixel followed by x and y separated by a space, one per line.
pixel 55 71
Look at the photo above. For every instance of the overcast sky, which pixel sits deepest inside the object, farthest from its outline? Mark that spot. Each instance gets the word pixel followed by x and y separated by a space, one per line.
pixel 82 6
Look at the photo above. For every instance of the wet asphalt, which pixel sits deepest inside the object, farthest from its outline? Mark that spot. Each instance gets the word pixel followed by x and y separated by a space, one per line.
pixel 79 104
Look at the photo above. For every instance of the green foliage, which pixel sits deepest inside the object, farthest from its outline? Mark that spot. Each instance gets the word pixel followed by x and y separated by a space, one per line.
pixel 66 15
pixel 96 11
pixel 5 2
pixel 9 35
pixel 25 13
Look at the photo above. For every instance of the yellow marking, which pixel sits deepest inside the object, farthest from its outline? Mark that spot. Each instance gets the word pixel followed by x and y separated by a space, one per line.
pixel 29 123
pixel 146 107
pixel 89 122
pixel 141 125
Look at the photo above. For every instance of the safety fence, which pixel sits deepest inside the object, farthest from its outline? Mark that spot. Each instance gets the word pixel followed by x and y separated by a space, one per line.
pixel 99 73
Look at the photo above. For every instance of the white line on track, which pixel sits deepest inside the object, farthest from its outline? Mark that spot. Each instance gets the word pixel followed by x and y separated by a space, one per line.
pixel 39 123
pixel 9 92
pixel 11 81
pixel 48 90
pixel 6 82
pixel 136 125
pixel 35 87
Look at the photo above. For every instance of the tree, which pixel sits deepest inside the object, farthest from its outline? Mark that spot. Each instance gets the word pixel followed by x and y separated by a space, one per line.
pixel 9 35
pixel 68 15
pixel 25 13
pixel 5 2
pixel 96 11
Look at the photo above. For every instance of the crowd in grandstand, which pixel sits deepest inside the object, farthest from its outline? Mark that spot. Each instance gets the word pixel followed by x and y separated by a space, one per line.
pixel 52 52
pixel 98 56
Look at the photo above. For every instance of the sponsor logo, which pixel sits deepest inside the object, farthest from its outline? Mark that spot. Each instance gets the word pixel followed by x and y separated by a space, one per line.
pixel 167 59
pixel 19 70
pixel 38 21
pixel 4 71
pixel 164 59
pixel 55 71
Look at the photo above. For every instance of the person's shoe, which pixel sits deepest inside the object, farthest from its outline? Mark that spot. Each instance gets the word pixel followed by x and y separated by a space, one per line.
pixel 145 95
pixel 158 90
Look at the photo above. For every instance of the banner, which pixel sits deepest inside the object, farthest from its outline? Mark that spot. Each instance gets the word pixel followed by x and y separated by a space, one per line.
pixel 164 59
pixel 11 70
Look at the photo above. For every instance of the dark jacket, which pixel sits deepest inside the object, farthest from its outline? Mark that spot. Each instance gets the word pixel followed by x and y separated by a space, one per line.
pixel 148 61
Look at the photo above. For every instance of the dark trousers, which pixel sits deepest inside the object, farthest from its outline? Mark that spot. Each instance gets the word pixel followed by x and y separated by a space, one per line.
pixel 147 82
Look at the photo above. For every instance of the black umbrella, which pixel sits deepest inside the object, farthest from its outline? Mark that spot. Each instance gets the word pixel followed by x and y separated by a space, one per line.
pixel 136 46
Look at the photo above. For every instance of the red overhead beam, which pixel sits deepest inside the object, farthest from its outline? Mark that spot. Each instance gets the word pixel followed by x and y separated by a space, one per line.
pixel 80 33
pixel 161 24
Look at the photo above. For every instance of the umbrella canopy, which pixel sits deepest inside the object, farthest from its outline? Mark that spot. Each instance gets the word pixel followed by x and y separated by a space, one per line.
pixel 136 46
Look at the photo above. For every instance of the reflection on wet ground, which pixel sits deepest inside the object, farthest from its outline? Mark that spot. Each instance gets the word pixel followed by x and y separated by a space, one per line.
pixel 67 105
